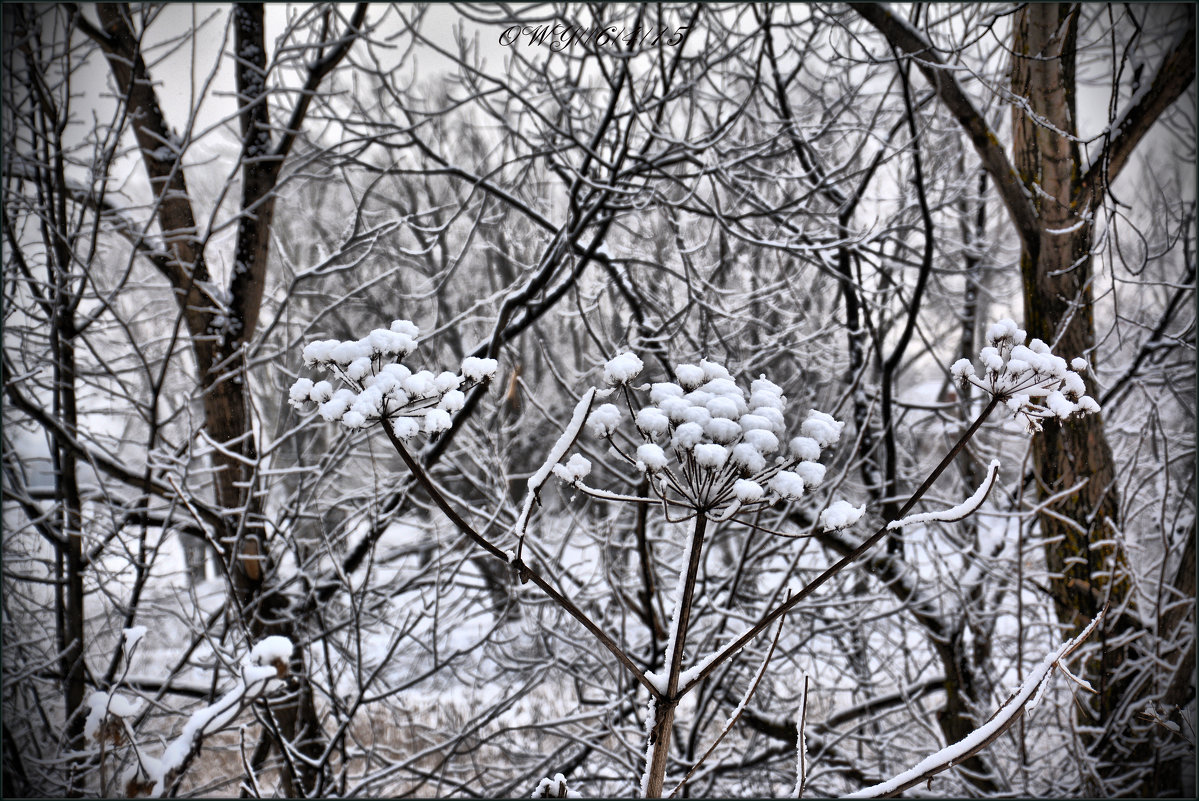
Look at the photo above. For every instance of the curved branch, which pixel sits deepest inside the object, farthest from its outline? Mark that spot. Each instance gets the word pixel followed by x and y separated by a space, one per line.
pixel 904 37
pixel 1175 74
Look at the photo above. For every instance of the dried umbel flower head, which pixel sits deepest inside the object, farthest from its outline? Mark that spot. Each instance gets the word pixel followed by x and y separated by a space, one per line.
pixel 706 442
pixel 370 383
pixel 1030 380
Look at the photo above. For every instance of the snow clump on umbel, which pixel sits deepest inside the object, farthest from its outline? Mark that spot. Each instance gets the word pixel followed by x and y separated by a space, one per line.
pixel 708 444
pixel 371 383
pixel 1018 375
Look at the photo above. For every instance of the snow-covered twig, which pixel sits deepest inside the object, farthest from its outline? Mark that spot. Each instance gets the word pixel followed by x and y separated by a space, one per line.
pixel 959 512
pixel 801 745
pixel 1007 714
pixel 564 443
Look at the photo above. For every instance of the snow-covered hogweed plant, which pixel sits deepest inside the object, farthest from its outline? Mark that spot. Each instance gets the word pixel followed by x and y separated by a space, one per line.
pixel 374 384
pixel 709 448
pixel 1017 375
pixel 707 445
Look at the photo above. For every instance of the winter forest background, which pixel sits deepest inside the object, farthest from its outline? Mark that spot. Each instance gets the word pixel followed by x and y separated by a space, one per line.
pixel 250 548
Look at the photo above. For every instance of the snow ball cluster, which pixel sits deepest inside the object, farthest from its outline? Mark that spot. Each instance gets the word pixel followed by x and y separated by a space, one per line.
pixel 373 384
pixel 841 514
pixel 709 442
pixel 554 788
pixel 576 468
pixel 1020 375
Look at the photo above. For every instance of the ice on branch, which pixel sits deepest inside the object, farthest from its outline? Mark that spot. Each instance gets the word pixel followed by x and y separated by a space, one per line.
pixel 370 383
pixel 1029 379
pixel 708 443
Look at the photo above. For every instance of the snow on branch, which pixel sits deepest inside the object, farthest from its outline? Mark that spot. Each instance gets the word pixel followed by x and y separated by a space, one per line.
pixel 980 738
pixel 266 663
pixel 576 468
pixel 959 512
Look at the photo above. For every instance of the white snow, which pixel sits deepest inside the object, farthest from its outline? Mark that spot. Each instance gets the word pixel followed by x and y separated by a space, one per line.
pixel 101 705
pixel 722 406
pixel 1016 374
pixel 131 637
pixel 446 382
pixel 420 384
pixel 761 440
pixel 689 375
pixel 357 369
pixel 651 456
pixel 787 485
pixel 710 456
pixel 773 416
pixel 675 408
pixel 319 352
pixel 321 392
pixel 841 514
pixel 653 421
pixel 755 422
pixel 478 370
pixel 811 472
pixel 604 420
pixel 405 428
pixel 300 392
pixel 687 436
pixel 748 457
pixel 760 399
pixel 747 491
pixel 822 428
pixel 390 343
pixel 452 401
pixel 255 680
pixel 437 420
pixel 712 370
pixel 695 414
pixel 622 369
pixel 722 430
pixel 805 448
pixel 801 743
pixel 405 327
pixel 270 649
pixel 568 437
pixel 660 392
pixel 1005 329
pixel 575 468
pixel 554 788
pixel 765 386
pixel 962 510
